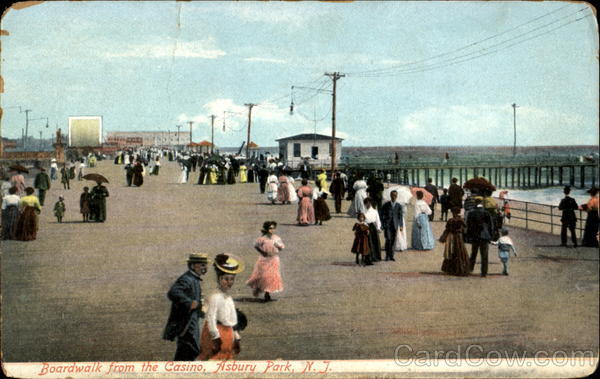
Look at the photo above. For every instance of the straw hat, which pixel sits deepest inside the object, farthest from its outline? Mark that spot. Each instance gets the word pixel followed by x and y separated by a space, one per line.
pixel 198 258
pixel 229 264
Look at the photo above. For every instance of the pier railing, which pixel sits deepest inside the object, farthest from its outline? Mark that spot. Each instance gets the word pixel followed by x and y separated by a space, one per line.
pixel 541 217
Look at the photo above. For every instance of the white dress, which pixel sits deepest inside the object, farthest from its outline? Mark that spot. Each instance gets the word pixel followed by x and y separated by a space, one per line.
pixel 183 176
pixel 401 242
pixel 272 184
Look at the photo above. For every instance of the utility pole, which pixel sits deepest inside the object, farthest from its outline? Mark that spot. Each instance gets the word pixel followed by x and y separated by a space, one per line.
pixel 515 129
pixel 178 127
pixel 26 111
pixel 41 143
pixel 249 105
pixel 212 133
pixel 190 122
pixel 334 76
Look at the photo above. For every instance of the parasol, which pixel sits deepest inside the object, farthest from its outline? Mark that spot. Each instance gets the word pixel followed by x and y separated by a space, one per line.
pixel 404 194
pixel 480 183
pixel 427 196
pixel 19 168
pixel 95 177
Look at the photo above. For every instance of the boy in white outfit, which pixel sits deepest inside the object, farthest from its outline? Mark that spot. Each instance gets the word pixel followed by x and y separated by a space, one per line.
pixel 505 245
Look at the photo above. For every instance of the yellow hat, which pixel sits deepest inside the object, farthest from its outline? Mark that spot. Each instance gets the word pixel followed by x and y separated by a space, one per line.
pixel 229 264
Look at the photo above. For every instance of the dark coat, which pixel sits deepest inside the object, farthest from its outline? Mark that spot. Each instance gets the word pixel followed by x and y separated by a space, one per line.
pixel 480 226
pixel 42 181
pixel 337 188
pixel 185 290
pixel 432 189
pixel 391 216
pixel 456 195
pixel 568 206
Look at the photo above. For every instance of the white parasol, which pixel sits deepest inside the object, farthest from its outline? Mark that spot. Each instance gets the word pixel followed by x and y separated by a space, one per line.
pixel 404 194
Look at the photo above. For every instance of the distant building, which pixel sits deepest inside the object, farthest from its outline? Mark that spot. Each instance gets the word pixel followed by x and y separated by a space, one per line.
pixel 166 138
pixel 317 147
pixel 201 147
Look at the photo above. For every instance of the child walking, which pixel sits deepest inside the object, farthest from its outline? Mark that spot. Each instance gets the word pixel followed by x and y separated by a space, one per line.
pixel 84 204
pixel 360 247
pixel 505 245
pixel 59 208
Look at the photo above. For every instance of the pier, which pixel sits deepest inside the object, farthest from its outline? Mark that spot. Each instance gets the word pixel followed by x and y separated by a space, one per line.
pixel 525 175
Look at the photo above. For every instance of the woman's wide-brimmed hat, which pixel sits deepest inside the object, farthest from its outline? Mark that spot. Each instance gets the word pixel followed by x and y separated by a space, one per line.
pixel 229 264
pixel 593 190
pixel 198 258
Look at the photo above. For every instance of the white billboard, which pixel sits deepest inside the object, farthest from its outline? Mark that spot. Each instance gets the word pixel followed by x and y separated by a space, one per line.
pixel 85 131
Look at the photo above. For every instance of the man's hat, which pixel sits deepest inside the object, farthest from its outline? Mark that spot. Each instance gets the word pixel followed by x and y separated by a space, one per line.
pixel 198 258
pixel 229 264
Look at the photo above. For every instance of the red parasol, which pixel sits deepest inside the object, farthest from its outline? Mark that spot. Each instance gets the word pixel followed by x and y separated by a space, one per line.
pixel 427 196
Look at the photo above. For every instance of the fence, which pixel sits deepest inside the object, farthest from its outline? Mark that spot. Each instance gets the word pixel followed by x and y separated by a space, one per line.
pixel 540 217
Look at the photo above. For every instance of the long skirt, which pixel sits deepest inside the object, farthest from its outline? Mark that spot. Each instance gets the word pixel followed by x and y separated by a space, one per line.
pixel 207 345
pixel 250 176
pixel 10 218
pixel 272 192
pixel 321 210
pixel 374 243
pixel 456 257
pixel 306 211
pixel 591 230
pixel 266 275
pixel 422 237
pixel 283 192
pixel 27 225
pixel 401 241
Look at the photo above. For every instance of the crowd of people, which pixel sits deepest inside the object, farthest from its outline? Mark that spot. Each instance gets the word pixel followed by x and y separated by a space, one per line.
pixel 476 219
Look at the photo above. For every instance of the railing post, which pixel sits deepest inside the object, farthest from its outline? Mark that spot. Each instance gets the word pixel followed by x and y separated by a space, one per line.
pixel 552 219
pixel 527 215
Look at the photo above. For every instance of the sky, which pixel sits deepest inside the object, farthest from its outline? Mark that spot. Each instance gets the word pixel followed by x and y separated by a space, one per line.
pixel 416 73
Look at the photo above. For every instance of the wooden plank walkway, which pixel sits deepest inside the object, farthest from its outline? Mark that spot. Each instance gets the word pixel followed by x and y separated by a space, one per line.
pixel 96 292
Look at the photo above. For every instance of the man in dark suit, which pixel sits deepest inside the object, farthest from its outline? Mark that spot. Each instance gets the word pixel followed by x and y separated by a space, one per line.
pixel 186 309
pixel 480 227
pixel 455 193
pixel 263 174
pixel 42 183
pixel 432 189
pixel 338 190
pixel 568 206
pixel 392 222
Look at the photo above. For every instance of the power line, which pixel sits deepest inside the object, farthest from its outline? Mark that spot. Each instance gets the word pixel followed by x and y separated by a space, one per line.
pixel 480 53
pixel 395 69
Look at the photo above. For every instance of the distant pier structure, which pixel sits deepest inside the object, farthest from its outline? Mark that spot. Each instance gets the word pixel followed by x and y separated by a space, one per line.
pixel 505 175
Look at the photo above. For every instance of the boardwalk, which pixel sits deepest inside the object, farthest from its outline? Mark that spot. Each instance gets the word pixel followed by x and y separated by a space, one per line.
pixel 96 292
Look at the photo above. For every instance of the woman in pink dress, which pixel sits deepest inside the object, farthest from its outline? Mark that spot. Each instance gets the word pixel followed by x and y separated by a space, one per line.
pixel 266 276
pixel 306 211
pixel 283 191
pixel 18 180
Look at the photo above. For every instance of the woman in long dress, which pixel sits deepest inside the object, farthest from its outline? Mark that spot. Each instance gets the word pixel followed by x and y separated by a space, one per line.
pixel 306 211
pixel 27 225
pixel 322 181
pixel 292 190
pixel 358 202
pixel 138 178
pixel 10 214
pixel 266 276
pixel 220 339
pixel 272 186
pixel 243 175
pixel 590 233
pixel 283 191
pixel 422 237
pixel 183 174
pixel 456 258
pixel 374 223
